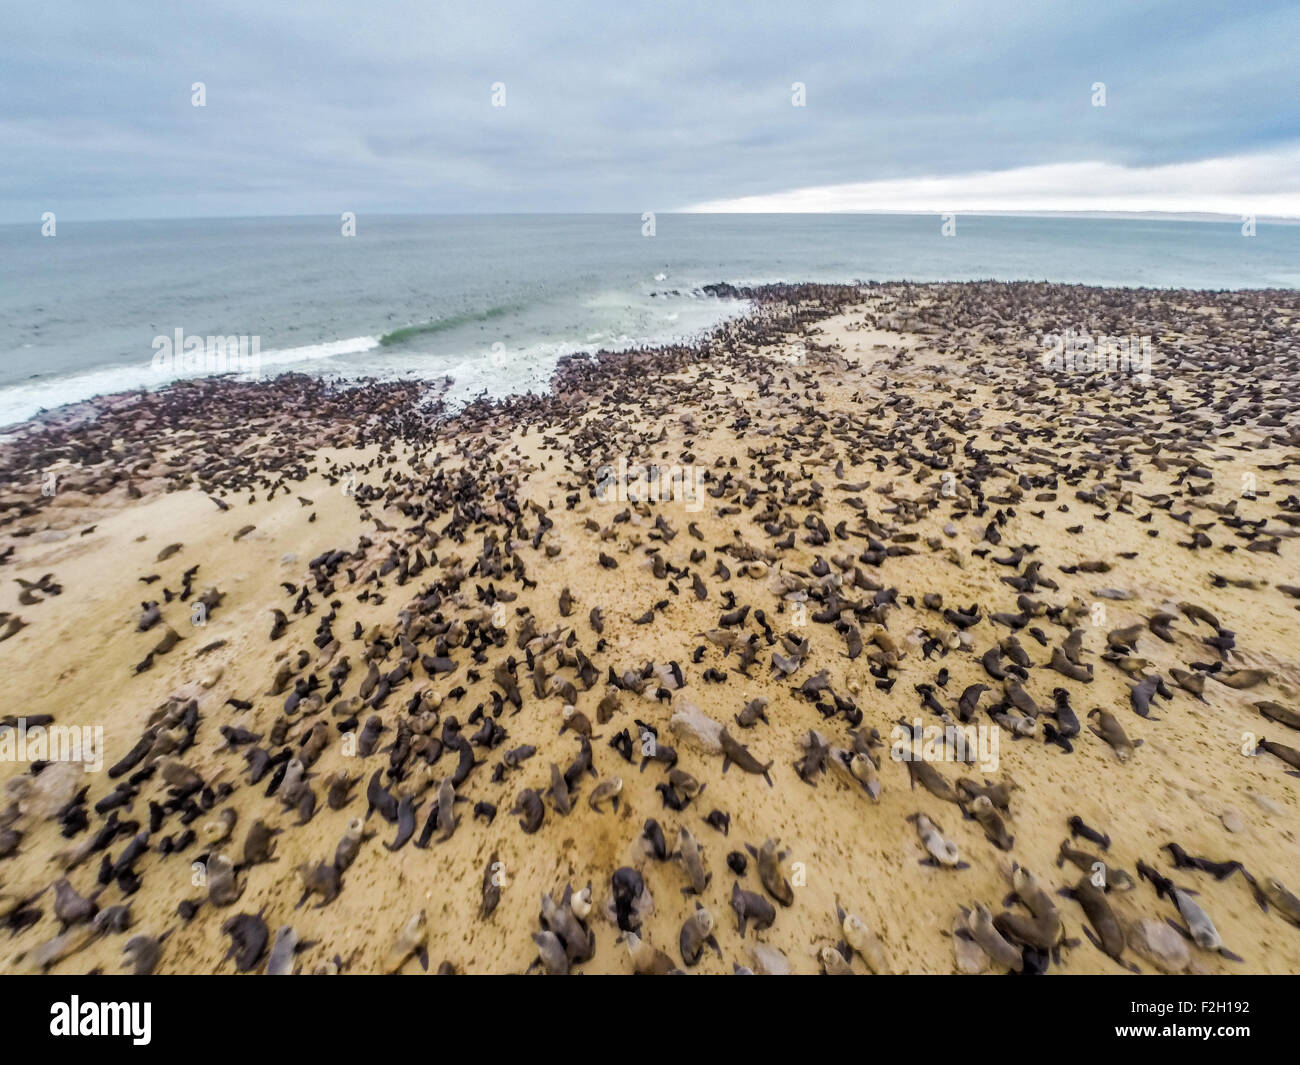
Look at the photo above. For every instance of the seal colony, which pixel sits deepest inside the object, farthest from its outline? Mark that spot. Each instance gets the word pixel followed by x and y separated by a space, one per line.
pixel 385 688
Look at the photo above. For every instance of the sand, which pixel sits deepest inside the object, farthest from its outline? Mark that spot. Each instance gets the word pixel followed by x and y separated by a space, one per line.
pixel 883 362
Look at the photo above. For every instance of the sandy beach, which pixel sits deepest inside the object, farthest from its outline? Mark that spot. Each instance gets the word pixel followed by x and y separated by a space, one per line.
pixel 884 498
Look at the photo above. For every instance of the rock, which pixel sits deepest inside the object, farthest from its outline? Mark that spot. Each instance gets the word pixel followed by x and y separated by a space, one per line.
pixel 693 725
pixel 768 961
pixel 52 789
pixel 1266 804
pixel 1159 944
pixel 950 529
pixel 1232 820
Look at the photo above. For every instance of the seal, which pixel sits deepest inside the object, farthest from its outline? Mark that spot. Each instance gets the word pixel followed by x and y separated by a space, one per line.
pixel 248 938
pixel 411 939
pixel 863 940
pixel 692 859
pixel 750 906
pixel 1109 938
pixel 769 871
pixel 1110 730
pixel 647 960
pixel 696 933
pixel 943 852
pixel 606 789
pixel 732 751
pixel 1112 878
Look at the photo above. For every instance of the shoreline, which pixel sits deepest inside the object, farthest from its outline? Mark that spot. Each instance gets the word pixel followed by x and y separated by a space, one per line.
pixel 822 425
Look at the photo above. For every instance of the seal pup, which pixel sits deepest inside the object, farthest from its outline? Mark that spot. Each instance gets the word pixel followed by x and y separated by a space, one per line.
pixel 350 844
pixel 991 821
pixel 1078 827
pixel 1218 870
pixel 606 789
pixel 692 859
pixel 733 751
pixel 530 805
pixel 769 871
pixel 224 888
pixel 286 945
pixel 1091 865
pixel 1289 755
pixel 1288 905
pixel 491 888
pixel 1283 715
pixel 863 940
pixel 411 939
pixel 943 852
pixel 647 960
pixel 696 933
pixel 653 842
pixel 979 927
pixel 750 906
pixel 1109 729
pixel 144 952
pixel 1199 928
pixel 259 844
pixel 248 938
pixel 1109 937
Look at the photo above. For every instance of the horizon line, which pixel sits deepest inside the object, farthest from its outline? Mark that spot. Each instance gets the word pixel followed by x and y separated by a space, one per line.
pixel 1206 217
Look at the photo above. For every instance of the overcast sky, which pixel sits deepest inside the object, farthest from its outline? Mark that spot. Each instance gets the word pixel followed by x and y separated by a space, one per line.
pixel 387 105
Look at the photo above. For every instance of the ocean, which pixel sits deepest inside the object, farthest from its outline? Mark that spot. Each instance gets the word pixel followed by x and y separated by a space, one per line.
pixel 495 301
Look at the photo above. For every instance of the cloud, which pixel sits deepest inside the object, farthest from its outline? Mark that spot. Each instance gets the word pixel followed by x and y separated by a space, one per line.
pixel 323 107
pixel 1262 184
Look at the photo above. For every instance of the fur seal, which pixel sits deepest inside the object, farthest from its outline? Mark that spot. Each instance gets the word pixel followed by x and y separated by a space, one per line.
pixel 491 890
pixel 1090 865
pixel 751 907
pixel 647 960
pixel 259 844
pixel 1289 755
pixel 1199 928
pixel 248 938
pixel 1283 715
pixel 863 940
pixel 696 933
pixel 769 871
pixel 943 852
pixel 692 859
pixel 732 751
pixel 994 827
pixel 224 888
pixel 979 926
pixel 350 844
pixel 606 789
pixel 323 879
pixel 652 840
pixel 411 939
pixel 1109 938
pixel 529 804
pixel 1110 730
pixel 286 944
